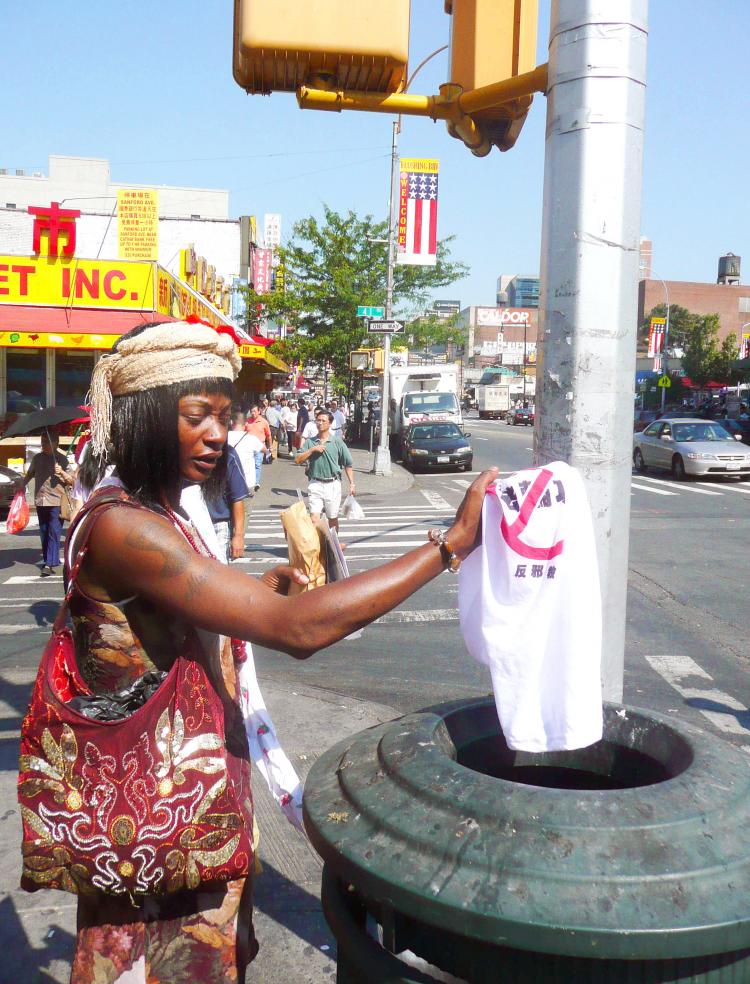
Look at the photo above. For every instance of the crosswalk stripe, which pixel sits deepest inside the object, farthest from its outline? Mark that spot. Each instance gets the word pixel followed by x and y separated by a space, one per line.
pixel 674 669
pixel 435 500
pixel 26 627
pixel 646 488
pixel 682 486
pixel 425 615
pixel 347 535
pixel 462 481
pixel 34 579
pixel 729 488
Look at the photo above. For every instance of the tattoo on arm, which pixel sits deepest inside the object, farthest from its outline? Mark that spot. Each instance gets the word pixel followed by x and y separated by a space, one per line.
pixel 195 583
pixel 148 537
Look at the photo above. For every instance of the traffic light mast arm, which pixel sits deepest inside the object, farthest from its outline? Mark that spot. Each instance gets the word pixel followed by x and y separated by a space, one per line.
pixel 452 104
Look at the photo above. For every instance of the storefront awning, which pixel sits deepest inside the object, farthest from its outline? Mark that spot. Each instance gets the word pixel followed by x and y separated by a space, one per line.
pixel 27 326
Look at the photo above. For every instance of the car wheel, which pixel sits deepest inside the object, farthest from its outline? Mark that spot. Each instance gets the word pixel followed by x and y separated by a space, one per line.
pixel 678 468
pixel 468 465
pixel 638 463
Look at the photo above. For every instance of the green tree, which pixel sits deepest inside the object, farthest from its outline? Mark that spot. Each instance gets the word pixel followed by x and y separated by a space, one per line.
pixel 702 354
pixel 725 373
pixel 429 330
pixel 331 266
pixel 681 323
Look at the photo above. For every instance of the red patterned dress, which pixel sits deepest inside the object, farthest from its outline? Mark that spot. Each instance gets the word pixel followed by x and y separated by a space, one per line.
pixel 191 935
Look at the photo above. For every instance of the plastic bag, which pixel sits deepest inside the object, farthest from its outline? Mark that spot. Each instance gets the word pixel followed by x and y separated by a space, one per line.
pixel 122 703
pixel 18 514
pixel 352 509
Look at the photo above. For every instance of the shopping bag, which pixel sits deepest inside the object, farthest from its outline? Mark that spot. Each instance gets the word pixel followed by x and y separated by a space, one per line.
pixel 351 509
pixel 337 568
pixel 304 545
pixel 268 457
pixel 18 514
pixel 66 505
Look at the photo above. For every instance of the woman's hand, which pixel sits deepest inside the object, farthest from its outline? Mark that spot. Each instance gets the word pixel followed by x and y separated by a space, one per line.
pixel 466 533
pixel 279 578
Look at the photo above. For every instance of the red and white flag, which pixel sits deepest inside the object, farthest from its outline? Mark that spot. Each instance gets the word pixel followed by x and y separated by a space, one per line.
pixel 417 212
pixel 656 333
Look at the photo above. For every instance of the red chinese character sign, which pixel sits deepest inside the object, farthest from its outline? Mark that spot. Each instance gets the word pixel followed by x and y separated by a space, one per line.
pixel 417 212
pixel 53 222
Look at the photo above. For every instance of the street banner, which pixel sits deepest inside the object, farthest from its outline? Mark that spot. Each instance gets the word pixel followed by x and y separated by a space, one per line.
pixel 417 212
pixel 745 346
pixel 138 224
pixel 262 271
pixel 656 332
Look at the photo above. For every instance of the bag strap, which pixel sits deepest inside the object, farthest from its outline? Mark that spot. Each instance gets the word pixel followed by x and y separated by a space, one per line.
pixel 98 504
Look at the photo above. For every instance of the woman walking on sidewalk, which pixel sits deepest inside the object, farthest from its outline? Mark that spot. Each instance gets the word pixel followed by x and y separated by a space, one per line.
pixel 147 594
pixel 49 469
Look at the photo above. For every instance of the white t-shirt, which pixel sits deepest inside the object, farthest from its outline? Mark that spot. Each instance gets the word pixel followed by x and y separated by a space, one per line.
pixel 246 445
pixel 309 430
pixel 339 423
pixel 289 418
pixel 530 609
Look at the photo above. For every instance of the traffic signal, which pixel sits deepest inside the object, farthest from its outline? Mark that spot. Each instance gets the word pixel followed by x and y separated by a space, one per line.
pixel 366 360
pixel 492 41
pixel 280 45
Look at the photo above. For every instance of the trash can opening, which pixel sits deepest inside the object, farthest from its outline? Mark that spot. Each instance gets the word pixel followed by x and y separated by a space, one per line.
pixel 634 751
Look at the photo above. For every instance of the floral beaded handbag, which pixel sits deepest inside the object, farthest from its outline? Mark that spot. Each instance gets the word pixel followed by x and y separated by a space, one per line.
pixel 149 804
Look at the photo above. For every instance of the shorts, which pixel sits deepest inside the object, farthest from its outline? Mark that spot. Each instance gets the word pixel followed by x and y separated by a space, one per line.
pixel 325 497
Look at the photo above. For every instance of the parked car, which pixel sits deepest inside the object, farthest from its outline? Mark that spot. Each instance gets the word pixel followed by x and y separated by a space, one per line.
pixel 682 413
pixel 739 429
pixel 689 447
pixel 520 415
pixel 642 418
pixel 436 444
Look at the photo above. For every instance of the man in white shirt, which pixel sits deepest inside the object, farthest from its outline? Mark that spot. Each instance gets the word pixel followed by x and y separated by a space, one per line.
pixel 246 445
pixel 288 425
pixel 339 420
pixel 311 429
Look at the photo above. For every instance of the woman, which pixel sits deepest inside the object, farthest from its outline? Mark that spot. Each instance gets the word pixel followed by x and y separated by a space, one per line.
pixel 160 406
pixel 51 475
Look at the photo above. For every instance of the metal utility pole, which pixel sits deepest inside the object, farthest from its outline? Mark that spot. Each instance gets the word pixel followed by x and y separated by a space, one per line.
pixel 665 354
pixel 382 454
pixel 589 272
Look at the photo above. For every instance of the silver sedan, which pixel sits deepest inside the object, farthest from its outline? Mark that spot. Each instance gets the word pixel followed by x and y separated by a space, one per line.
pixel 689 447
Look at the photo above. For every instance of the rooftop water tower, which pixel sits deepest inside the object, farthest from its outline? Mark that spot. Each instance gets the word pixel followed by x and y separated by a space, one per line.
pixel 729 269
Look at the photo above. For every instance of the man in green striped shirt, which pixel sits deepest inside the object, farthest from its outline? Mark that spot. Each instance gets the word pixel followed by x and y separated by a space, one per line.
pixel 324 457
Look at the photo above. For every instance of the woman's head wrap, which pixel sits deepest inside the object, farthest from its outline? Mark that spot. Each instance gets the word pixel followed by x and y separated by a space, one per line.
pixel 171 352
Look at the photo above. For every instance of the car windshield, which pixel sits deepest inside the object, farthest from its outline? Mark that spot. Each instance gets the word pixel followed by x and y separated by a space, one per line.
pixel 700 432
pixel 429 402
pixel 429 432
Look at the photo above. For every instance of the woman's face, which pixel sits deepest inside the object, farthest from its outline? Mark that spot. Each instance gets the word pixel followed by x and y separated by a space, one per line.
pixel 202 424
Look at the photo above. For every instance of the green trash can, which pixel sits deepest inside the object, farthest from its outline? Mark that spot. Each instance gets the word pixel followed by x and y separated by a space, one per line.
pixel 628 861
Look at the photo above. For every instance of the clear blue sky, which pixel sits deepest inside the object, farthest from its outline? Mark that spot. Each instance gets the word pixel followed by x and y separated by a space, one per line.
pixel 149 86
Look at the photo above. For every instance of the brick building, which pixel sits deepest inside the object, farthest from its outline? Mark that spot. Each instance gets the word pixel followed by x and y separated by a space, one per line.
pixel 730 301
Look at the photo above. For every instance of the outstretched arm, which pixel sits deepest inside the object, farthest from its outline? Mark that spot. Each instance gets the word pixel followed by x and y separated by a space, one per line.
pixel 132 552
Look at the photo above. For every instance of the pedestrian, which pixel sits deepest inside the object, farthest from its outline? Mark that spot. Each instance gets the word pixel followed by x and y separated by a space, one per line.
pixel 257 426
pixel 226 507
pixel 303 419
pixel 325 457
pixel 311 428
pixel 289 424
pixel 248 447
pixel 273 416
pixel 161 402
pixel 338 427
pixel 51 475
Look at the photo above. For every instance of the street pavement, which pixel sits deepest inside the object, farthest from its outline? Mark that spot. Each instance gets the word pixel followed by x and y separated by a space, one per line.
pixel 687 655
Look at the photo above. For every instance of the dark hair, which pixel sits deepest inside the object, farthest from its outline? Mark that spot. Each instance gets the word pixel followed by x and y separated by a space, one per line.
pixel 145 444
pixel 324 413
pixel 238 417
pixel 91 470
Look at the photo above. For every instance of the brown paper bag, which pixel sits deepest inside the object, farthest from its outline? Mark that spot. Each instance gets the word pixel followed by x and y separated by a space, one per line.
pixel 304 545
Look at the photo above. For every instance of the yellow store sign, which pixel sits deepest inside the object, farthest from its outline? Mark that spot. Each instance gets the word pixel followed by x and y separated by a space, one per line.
pixel 48 339
pixel 69 282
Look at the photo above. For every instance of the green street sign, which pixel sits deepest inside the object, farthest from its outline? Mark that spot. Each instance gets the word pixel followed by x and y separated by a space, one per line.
pixel 370 312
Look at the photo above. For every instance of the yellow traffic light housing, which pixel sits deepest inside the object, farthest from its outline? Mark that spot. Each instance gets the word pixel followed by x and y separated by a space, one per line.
pixel 366 360
pixel 280 45
pixel 493 41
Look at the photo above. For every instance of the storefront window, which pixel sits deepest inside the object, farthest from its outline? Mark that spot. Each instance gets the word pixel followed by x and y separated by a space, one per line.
pixel 27 379
pixel 72 377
